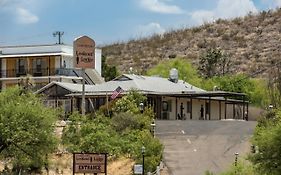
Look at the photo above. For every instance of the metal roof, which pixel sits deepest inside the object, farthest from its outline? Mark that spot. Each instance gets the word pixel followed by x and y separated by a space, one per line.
pixel 144 84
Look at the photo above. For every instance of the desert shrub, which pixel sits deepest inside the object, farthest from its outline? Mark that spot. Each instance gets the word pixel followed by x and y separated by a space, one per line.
pixel 267 139
pixel 122 135
pixel 242 168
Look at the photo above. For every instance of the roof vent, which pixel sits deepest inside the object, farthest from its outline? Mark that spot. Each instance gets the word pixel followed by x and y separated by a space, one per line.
pixel 174 75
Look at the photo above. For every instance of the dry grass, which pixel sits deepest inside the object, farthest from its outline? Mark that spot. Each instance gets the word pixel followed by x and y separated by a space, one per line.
pixel 254 33
pixel 62 164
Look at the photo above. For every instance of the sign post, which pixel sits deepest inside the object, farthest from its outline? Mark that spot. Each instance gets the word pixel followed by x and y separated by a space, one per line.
pixel 84 57
pixel 90 163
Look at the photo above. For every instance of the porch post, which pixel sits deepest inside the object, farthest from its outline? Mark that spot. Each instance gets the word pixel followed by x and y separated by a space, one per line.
pixel 247 111
pixel 220 110
pixel 176 108
pixel 49 66
pixel 233 106
pixel 159 106
pixel 209 108
pixel 225 108
pixel 243 107
pixel 191 108
pixel 71 104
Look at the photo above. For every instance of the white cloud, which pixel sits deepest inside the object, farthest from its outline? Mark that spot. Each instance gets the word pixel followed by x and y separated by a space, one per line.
pixel 160 7
pixel 224 9
pixel 201 16
pixel 26 17
pixel 150 29
pixel 20 10
pixel 3 2
pixel 230 8
pixel 272 3
pixel 277 3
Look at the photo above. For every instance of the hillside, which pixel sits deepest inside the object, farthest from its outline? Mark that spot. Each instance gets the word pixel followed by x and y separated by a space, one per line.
pixel 252 42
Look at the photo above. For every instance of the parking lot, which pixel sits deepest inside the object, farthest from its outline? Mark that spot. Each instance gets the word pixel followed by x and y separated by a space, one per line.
pixel 192 147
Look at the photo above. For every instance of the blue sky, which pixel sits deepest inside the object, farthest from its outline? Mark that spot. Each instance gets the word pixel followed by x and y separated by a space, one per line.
pixel 109 21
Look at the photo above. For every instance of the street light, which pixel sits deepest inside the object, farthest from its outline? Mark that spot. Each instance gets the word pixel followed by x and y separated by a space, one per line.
pixel 153 125
pixel 235 163
pixel 142 152
pixel 141 107
pixel 270 107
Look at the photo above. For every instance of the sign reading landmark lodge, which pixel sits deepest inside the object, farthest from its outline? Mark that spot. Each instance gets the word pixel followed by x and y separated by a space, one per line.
pixel 84 52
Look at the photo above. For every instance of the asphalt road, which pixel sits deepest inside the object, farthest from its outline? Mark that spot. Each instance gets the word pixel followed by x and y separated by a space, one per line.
pixel 194 146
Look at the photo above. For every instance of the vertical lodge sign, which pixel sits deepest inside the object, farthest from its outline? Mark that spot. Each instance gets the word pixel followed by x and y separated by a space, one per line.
pixel 84 52
pixel 89 163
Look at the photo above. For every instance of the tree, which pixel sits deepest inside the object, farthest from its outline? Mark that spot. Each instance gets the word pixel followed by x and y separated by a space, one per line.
pixel 274 84
pixel 122 135
pixel 234 83
pixel 108 72
pixel 254 88
pixel 266 138
pixel 186 71
pixel 26 130
pixel 214 63
pixel 26 83
pixel 130 102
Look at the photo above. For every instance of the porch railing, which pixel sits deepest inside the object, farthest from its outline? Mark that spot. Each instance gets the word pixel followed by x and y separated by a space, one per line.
pixel 9 73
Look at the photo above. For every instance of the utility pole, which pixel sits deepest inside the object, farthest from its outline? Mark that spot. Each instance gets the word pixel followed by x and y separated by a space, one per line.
pixel 83 110
pixel 59 34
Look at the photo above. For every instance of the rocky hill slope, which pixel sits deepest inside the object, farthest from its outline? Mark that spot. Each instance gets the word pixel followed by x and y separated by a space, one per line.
pixel 252 42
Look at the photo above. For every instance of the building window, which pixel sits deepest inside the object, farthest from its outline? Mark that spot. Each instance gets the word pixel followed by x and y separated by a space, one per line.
pixel 37 65
pixel 188 107
pixel 21 65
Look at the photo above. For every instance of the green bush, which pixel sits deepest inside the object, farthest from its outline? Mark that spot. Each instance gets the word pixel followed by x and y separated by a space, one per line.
pixel 122 135
pixel 122 122
pixel 256 89
pixel 186 70
pixel 26 130
pixel 242 168
pixel 267 138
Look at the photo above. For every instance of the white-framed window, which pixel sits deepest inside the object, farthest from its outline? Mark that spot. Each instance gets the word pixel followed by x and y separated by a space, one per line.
pixel 21 66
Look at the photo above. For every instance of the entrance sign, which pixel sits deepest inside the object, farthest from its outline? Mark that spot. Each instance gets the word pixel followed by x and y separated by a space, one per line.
pixel 89 163
pixel 84 52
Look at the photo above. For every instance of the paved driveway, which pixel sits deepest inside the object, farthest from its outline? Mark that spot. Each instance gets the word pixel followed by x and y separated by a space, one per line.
pixel 192 147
